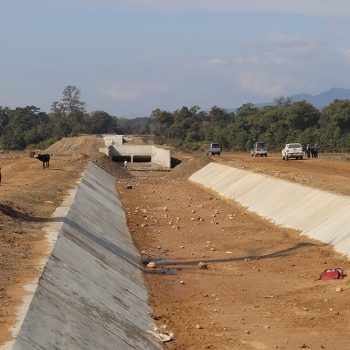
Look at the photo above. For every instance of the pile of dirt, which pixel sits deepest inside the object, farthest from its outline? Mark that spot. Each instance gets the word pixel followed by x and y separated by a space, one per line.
pixel 112 168
pixel 80 144
pixel 139 139
pixel 188 167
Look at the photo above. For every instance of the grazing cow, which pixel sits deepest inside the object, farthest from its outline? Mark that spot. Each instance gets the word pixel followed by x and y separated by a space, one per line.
pixel 45 158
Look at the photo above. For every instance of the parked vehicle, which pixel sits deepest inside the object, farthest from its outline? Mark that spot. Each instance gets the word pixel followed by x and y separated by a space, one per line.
pixel 212 149
pixel 259 149
pixel 292 150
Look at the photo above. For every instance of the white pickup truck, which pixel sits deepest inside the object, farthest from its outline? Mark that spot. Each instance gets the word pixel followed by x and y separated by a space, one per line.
pixel 292 150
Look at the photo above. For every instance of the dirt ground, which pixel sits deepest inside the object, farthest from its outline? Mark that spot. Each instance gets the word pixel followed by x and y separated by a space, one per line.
pixel 260 288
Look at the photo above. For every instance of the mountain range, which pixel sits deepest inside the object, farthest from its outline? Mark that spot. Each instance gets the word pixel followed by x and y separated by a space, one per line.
pixel 318 101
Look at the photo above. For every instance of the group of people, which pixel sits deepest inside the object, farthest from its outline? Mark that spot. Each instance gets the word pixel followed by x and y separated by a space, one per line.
pixel 311 151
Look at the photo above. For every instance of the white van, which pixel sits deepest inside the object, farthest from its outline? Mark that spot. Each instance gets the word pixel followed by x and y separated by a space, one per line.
pixel 212 149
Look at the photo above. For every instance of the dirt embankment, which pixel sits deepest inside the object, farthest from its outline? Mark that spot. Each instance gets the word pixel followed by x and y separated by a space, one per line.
pixel 188 165
pixel 76 145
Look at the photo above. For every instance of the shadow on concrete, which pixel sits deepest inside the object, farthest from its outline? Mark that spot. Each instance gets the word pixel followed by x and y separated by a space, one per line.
pixel 184 262
pixel 91 242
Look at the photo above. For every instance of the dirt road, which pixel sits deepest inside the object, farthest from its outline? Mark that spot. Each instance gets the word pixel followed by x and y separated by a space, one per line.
pixel 260 288
pixel 28 197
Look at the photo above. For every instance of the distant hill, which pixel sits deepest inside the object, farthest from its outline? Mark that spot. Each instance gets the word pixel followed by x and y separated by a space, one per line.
pixel 319 101
pixel 325 98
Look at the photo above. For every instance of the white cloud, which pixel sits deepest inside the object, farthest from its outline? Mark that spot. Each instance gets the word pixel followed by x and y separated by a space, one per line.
pixel 325 8
pixel 345 53
pixel 260 83
pixel 129 92
pixel 297 46
pixel 281 64
pixel 216 62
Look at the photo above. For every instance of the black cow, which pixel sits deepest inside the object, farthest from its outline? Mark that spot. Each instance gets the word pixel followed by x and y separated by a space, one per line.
pixel 45 158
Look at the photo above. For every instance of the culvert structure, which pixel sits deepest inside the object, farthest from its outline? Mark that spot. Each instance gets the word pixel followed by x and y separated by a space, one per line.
pixel 139 153
pixel 91 294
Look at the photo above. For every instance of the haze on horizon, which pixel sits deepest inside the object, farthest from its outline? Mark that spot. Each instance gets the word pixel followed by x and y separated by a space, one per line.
pixel 131 57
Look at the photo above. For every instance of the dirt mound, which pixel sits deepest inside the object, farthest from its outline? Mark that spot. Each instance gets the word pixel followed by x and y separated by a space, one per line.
pixel 188 167
pixel 139 139
pixel 80 144
pixel 110 167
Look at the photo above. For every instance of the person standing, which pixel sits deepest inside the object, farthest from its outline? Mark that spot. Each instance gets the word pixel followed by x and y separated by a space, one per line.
pixel 316 151
pixel 308 150
pixel 312 148
pixel 125 164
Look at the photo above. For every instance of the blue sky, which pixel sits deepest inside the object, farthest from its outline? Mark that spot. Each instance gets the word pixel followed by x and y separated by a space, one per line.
pixel 129 57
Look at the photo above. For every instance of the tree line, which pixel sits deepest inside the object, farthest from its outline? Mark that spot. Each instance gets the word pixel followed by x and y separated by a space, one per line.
pixel 187 127
pixel 284 122
pixel 28 126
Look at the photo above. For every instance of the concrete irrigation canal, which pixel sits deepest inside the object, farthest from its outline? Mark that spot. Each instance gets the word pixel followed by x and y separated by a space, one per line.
pixel 91 294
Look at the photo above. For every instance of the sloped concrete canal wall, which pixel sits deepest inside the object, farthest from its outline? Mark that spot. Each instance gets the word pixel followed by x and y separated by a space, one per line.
pixel 321 215
pixel 91 294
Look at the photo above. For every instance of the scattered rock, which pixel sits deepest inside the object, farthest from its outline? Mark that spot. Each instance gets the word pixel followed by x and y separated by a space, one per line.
pixel 182 282
pixel 151 265
pixel 198 326
pixel 339 289
pixel 202 265
pixel 129 187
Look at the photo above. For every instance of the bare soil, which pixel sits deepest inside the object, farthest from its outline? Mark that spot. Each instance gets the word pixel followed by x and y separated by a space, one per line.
pixel 261 287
